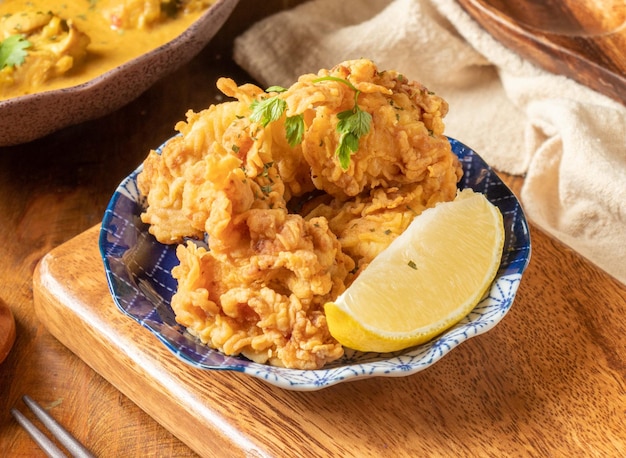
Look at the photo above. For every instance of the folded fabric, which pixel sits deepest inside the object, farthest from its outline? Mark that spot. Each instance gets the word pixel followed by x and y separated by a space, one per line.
pixel 568 140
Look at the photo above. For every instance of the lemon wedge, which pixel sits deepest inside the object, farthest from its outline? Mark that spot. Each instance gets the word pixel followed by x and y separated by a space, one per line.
pixel 425 281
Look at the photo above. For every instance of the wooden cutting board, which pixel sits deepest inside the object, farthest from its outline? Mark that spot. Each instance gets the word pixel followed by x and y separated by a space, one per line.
pixel 547 380
pixel 582 39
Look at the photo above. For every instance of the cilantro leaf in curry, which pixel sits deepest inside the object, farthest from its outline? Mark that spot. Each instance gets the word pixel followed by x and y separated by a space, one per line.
pixel 13 50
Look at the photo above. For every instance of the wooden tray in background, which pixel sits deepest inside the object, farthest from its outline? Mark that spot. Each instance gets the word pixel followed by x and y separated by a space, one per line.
pixel 582 39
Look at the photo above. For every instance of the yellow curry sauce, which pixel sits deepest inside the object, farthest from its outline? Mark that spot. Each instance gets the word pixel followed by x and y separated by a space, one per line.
pixel 78 40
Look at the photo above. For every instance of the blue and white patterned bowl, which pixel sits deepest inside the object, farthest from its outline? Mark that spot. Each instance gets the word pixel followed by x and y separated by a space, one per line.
pixel 138 272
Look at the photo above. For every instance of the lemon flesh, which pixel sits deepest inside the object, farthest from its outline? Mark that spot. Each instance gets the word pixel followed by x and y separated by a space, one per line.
pixel 425 281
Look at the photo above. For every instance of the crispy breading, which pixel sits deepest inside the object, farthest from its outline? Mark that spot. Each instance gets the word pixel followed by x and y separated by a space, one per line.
pixel 366 224
pixel 405 139
pixel 267 304
pixel 235 180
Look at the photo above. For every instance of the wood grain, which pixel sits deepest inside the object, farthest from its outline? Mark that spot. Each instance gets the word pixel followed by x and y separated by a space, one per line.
pixel 582 39
pixel 548 380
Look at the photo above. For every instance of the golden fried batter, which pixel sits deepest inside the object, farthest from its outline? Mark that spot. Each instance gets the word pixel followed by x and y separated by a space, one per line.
pixel 266 305
pixel 234 178
pixel 405 140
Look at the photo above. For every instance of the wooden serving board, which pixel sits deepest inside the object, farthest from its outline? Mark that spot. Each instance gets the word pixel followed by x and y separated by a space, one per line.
pixel 582 39
pixel 547 380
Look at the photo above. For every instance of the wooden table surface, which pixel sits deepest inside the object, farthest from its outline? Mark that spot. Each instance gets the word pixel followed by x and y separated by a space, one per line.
pixel 549 380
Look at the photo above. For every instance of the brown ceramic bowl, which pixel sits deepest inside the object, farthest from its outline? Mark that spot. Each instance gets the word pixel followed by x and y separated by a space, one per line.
pixel 28 117
pixel 7 330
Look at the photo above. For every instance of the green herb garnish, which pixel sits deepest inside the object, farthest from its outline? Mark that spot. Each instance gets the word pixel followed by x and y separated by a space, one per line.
pixel 267 110
pixel 266 168
pixel 271 109
pixel 275 89
pixel 294 128
pixel 13 50
pixel 352 125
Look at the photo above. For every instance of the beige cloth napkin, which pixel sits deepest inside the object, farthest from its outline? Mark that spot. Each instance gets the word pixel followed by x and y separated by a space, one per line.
pixel 568 140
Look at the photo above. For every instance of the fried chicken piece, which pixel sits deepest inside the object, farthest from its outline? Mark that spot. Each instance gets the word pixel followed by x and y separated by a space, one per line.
pixel 292 167
pixel 405 143
pixel 260 288
pixel 195 172
pixel 168 175
pixel 266 305
pixel 366 224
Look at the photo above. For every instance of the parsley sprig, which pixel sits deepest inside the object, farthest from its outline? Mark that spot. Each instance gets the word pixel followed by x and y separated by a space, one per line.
pixel 352 125
pixel 271 109
pixel 267 110
pixel 13 50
